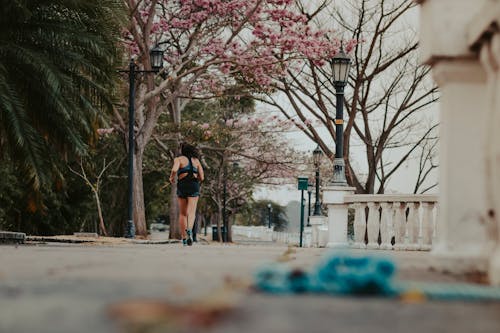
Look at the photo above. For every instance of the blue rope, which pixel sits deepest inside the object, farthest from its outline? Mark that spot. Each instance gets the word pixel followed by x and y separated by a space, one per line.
pixel 348 274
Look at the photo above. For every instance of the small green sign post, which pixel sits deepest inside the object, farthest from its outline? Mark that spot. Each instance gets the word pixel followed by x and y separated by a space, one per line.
pixel 303 182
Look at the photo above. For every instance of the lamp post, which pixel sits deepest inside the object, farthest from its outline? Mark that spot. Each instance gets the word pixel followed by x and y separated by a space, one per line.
pixel 224 210
pixel 156 59
pixel 269 209
pixel 309 192
pixel 317 155
pixel 340 73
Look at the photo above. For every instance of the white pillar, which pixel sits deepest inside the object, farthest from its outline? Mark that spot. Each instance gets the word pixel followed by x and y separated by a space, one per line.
pixel 333 197
pixel 462 232
pixel 316 221
pixel 490 59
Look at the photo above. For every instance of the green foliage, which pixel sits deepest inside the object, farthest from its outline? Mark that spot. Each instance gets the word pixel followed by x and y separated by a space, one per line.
pixel 257 213
pixel 69 205
pixel 63 210
pixel 57 65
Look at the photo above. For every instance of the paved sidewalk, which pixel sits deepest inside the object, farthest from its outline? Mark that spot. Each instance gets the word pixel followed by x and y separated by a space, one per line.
pixel 143 288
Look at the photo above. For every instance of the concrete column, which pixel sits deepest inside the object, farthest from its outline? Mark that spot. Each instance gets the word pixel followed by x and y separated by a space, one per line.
pixel 462 230
pixel 490 59
pixel 333 197
pixel 316 221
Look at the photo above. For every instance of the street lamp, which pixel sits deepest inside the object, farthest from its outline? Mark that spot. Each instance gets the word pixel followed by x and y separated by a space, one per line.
pixel 224 210
pixel 156 59
pixel 270 209
pixel 340 73
pixel 317 155
pixel 309 192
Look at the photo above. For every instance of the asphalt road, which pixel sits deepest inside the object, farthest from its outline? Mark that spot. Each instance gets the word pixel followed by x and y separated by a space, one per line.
pixel 138 288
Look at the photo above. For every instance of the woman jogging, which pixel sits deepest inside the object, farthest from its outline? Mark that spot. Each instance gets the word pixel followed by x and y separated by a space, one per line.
pixel 189 172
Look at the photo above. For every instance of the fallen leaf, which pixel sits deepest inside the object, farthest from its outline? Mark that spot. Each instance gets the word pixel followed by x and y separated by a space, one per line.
pixel 141 316
pixel 413 296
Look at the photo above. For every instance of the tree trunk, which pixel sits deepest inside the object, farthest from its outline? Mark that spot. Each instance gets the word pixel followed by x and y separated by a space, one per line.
pixel 219 229
pixel 99 212
pixel 175 230
pixel 229 225
pixel 138 202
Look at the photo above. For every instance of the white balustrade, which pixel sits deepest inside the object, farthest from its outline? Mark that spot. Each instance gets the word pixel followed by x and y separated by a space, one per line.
pixel 400 222
pixel 261 233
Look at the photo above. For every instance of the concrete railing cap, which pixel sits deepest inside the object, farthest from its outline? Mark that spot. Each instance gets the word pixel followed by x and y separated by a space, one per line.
pixel 390 198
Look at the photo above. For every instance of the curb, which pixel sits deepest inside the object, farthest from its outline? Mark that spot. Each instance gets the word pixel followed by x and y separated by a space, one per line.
pixel 57 240
pixel 7 237
pixel 145 241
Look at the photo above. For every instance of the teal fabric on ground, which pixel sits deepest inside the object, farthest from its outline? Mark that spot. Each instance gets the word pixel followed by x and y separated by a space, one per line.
pixel 452 291
pixel 336 274
pixel 362 275
pixel 358 275
pixel 272 279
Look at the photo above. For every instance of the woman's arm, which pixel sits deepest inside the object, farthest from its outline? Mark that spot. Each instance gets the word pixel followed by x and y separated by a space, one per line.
pixel 175 167
pixel 201 173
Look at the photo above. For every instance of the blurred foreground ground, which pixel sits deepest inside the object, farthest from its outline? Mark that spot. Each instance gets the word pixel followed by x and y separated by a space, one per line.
pixel 118 286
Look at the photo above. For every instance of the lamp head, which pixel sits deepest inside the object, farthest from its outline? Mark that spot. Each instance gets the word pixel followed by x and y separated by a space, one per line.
pixel 317 154
pixel 156 58
pixel 340 63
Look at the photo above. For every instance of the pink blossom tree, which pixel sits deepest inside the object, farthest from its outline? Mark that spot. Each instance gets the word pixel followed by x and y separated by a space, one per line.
pixel 240 152
pixel 211 45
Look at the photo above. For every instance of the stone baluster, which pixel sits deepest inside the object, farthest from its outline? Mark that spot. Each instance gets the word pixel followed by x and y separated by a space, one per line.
pixel 386 225
pixel 436 226
pixel 413 226
pixel 373 225
pixel 400 225
pixel 359 225
pixel 427 225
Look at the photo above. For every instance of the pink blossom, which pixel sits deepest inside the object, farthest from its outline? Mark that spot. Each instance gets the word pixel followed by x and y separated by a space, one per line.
pixel 205 126
pixel 103 131
pixel 202 29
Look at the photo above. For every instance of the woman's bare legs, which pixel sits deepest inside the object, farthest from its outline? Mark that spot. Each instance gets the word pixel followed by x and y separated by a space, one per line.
pixel 191 211
pixel 183 213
